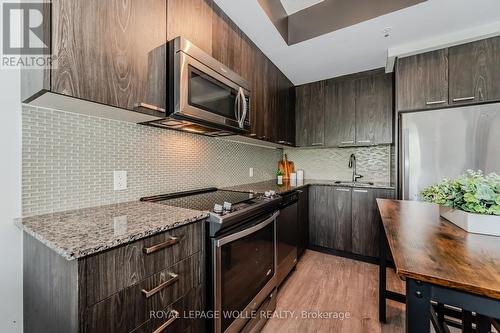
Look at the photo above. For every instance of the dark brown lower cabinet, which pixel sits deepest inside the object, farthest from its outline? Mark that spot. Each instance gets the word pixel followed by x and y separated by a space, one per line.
pixel 124 289
pixel 303 221
pixel 366 220
pixel 330 217
pixel 346 219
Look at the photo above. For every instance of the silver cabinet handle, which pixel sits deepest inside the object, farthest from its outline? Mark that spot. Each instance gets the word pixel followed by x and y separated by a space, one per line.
pixel 347 142
pixel 361 191
pixel 173 279
pixel 161 246
pixel 364 141
pixel 253 134
pixel 343 189
pixel 462 99
pixel 435 102
pixel 173 317
pixel 282 142
pixel 317 144
pixel 149 106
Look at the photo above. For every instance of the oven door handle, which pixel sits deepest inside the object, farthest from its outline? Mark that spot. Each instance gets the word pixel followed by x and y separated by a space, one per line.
pixel 246 232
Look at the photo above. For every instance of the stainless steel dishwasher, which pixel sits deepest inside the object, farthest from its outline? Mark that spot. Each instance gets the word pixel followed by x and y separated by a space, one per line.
pixel 286 235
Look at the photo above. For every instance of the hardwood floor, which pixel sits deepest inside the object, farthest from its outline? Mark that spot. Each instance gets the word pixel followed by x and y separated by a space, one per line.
pixel 325 283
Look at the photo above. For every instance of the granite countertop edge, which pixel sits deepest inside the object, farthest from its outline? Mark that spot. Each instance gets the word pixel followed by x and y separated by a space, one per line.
pixel 261 187
pixel 72 254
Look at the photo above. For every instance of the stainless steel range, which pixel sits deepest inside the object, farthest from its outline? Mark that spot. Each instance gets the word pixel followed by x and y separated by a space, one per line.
pixel 241 254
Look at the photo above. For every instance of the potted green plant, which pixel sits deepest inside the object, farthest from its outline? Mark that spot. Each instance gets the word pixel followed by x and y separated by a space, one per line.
pixel 279 174
pixel 471 201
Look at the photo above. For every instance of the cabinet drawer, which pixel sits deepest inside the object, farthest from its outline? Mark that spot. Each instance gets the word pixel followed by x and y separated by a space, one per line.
pixel 186 321
pixel 128 309
pixel 114 270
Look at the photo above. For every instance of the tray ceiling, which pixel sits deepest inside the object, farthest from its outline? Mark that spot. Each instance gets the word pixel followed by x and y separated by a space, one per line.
pixel 364 45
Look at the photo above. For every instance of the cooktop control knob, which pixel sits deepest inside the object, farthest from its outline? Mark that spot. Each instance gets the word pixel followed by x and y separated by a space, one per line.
pixel 227 206
pixel 267 194
pixel 218 209
pixel 273 193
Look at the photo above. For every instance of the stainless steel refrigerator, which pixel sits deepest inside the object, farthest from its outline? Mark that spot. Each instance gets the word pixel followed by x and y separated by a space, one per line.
pixel 445 143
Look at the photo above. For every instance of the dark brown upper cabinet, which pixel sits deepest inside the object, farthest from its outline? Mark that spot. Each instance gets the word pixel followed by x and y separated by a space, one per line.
pixel 110 52
pixel 340 119
pixel 272 104
pixel 192 19
pixel 463 74
pixel 357 111
pixel 374 110
pixel 285 121
pixel 310 114
pixel 475 71
pixel 125 65
pixel 227 41
pixel 422 81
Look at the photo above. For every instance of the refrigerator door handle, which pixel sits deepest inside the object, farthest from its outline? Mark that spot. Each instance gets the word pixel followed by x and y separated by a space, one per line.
pixel 406 163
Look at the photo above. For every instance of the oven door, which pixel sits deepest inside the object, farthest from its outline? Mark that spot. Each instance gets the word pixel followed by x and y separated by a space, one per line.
pixel 203 94
pixel 244 272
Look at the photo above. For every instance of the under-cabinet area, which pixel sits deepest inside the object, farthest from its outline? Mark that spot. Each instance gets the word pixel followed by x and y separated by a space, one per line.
pixel 217 166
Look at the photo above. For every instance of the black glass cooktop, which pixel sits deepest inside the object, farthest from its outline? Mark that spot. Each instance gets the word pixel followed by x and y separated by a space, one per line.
pixel 206 200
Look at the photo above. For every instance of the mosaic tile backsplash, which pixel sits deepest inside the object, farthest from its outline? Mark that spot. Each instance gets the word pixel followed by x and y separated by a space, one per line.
pixel 374 163
pixel 69 159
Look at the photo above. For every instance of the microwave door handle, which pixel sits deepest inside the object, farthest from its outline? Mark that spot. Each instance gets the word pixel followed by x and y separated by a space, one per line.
pixel 244 107
pixel 237 107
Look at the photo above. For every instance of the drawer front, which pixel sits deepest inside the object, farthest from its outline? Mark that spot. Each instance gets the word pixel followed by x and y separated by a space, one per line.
pixel 128 309
pixel 114 270
pixel 186 322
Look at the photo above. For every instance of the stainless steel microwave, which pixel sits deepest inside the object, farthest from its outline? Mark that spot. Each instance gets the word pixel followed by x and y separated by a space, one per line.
pixel 204 96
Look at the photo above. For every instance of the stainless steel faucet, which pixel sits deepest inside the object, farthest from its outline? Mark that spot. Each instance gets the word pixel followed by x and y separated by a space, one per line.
pixel 352 165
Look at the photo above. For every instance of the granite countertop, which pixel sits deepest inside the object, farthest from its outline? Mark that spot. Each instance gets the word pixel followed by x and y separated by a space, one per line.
pixel 272 185
pixel 78 233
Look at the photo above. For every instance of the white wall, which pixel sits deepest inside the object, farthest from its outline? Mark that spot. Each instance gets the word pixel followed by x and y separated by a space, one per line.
pixel 10 202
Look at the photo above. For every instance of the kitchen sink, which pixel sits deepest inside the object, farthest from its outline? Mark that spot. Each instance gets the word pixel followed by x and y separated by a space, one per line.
pixel 354 183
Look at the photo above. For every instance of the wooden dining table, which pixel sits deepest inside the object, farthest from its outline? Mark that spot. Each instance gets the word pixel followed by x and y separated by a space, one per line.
pixel 441 263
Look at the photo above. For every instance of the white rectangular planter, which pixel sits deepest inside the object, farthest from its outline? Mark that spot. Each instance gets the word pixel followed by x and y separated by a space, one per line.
pixel 475 223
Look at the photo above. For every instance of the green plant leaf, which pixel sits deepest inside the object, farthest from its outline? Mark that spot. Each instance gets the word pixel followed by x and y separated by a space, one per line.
pixel 472 192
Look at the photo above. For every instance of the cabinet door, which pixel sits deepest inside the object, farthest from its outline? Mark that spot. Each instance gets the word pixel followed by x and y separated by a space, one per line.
pixel 121 65
pixel 366 222
pixel 330 217
pixel 475 71
pixel 422 81
pixel 191 19
pixel 374 110
pixel 257 108
pixel 285 122
pixel 303 221
pixel 270 101
pixel 226 40
pixel 310 114
pixel 339 113
pixel 341 215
